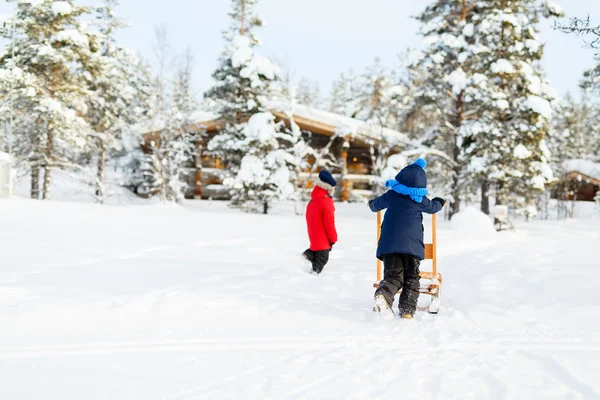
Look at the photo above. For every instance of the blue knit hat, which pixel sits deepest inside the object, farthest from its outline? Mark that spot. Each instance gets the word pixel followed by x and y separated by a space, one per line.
pixel 414 175
pixel 326 177
pixel 411 181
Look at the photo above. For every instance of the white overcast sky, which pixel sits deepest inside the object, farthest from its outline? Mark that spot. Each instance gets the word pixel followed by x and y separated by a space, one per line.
pixel 318 39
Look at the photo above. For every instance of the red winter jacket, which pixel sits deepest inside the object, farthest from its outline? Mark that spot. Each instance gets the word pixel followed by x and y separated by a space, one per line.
pixel 320 220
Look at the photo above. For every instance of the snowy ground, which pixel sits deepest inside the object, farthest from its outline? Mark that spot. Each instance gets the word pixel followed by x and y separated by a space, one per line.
pixel 164 302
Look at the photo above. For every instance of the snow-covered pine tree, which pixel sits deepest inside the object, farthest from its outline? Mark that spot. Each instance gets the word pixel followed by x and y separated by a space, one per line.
pixel 52 52
pixel 265 170
pixel 379 97
pixel 295 143
pixel 171 149
pixel 242 85
pixel 178 136
pixel 341 97
pixel 573 130
pixel 513 152
pixel 308 93
pixel 119 93
pixel 452 87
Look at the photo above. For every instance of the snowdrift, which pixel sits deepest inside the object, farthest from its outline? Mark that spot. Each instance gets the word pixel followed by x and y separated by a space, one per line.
pixel 471 220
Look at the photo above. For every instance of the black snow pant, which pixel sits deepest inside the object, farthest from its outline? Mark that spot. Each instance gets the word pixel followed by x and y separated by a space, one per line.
pixel 318 259
pixel 401 271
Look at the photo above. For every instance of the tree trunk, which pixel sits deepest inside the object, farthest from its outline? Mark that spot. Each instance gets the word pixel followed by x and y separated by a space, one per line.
pixel 100 172
pixel 266 207
pixel 47 182
pixel 48 165
pixel 456 179
pixel 35 182
pixel 485 200
pixel 455 204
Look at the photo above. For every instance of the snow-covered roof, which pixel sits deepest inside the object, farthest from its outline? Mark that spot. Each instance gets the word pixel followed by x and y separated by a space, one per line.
pixel 323 121
pixel 204 116
pixel 349 126
pixel 585 167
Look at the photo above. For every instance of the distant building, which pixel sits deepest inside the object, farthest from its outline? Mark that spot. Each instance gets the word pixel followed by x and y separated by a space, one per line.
pixel 580 181
pixel 350 142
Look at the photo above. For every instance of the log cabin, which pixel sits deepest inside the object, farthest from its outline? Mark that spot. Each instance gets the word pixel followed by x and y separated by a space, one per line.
pixel 350 145
pixel 580 181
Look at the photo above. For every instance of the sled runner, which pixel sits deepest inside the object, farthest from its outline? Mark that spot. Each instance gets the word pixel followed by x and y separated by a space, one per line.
pixel 431 282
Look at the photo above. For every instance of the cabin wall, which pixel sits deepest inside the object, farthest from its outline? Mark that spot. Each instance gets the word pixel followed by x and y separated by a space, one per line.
pixel 575 187
pixel 205 174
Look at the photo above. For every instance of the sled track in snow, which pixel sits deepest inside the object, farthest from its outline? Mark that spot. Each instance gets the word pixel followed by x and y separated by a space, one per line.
pixel 291 343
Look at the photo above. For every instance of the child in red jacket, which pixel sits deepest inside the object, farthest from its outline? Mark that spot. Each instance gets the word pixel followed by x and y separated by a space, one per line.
pixel 320 221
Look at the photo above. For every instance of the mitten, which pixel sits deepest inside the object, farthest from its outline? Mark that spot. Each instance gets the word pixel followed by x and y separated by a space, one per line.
pixel 442 201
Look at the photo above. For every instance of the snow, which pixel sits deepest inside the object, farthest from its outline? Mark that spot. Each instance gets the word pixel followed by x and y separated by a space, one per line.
pixel 71 35
pixel 395 163
pixel 242 52
pixel 4 156
pixel 242 56
pixel 61 8
pixel 472 221
pixel 253 170
pixel 503 66
pixel 459 81
pixel 538 182
pixel 539 105
pixel 553 7
pixel 586 167
pixel 511 19
pixel 168 302
pixel 73 187
pixel 522 152
pixel 342 123
pixel 502 104
pixel 262 66
pixel 533 45
pixel 468 30
pixel 261 127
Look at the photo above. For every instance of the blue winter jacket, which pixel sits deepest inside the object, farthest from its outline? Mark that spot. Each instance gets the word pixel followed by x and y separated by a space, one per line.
pixel 402 228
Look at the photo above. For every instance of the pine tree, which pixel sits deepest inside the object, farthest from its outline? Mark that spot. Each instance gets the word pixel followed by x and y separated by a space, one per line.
pixel 380 96
pixel 513 153
pixel 118 96
pixel 265 173
pixel 242 85
pixel 573 130
pixel 178 137
pixel 308 93
pixel 451 87
pixel 341 98
pixel 171 149
pixel 52 54
pixel 256 151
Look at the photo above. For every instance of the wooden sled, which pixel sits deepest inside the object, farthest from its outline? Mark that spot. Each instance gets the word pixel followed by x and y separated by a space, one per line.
pixel 433 280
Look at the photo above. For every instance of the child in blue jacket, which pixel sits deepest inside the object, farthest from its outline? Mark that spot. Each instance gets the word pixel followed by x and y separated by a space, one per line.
pixel 401 244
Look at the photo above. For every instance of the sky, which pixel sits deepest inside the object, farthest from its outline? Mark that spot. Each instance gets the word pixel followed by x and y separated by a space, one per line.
pixel 319 39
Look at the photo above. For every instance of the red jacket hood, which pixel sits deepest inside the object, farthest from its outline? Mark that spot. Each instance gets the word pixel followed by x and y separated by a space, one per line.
pixel 318 192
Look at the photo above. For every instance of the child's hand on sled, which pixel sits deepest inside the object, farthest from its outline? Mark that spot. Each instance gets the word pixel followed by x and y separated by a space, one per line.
pixel 440 200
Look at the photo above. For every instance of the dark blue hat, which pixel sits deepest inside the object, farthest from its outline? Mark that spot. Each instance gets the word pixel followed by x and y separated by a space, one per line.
pixel 414 175
pixel 326 177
